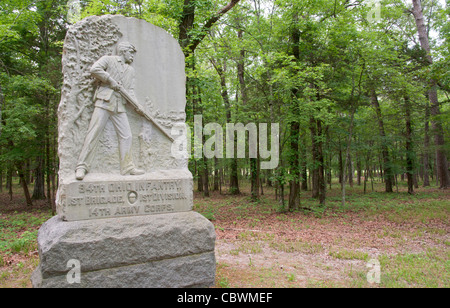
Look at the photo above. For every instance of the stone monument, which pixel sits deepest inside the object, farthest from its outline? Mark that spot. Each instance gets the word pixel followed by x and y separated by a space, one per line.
pixel 124 199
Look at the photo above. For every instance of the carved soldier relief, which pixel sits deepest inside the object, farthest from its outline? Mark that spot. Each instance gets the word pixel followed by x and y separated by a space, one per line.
pixel 124 202
pixel 123 91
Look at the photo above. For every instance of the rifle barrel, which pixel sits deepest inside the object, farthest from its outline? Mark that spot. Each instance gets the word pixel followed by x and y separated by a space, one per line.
pixel 138 109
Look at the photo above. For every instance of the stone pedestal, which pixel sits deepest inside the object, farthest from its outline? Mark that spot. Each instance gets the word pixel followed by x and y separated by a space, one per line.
pixel 165 250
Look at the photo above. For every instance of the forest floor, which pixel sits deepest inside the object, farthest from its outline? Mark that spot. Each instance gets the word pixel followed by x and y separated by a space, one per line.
pixel 260 245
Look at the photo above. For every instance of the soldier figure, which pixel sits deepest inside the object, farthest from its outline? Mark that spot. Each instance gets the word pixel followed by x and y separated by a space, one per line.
pixel 114 73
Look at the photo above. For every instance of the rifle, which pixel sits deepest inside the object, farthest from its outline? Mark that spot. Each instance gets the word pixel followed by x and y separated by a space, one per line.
pixel 141 112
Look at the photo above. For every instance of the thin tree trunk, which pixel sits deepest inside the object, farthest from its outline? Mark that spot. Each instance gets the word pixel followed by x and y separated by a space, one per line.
pixel 9 177
pixel 358 169
pixel 441 159
pixel 234 178
pixel 409 147
pixel 216 174
pixel 350 170
pixel 204 172
pixel 39 182
pixel 254 163
pixel 426 145
pixel 294 184
pixel 341 164
pixel 205 177
pixel 304 174
pixel 199 176
pixel 294 160
pixel 321 180
pixel 315 157
pixel 347 152
pixel 24 184
pixel 387 171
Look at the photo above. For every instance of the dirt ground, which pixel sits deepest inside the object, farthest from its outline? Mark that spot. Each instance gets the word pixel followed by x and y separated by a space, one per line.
pixel 331 253
pixel 260 246
pixel 257 246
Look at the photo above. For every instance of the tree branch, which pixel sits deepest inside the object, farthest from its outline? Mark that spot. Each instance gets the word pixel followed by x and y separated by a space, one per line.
pixel 208 25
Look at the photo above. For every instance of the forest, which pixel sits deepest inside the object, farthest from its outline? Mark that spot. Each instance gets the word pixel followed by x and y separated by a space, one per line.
pixel 360 89
pixel 356 97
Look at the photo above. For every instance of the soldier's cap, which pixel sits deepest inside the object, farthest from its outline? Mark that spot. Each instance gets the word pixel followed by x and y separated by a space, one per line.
pixel 126 46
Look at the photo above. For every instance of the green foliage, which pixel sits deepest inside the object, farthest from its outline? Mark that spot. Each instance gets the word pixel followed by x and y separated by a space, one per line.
pixel 429 270
pixel 286 62
pixel 18 232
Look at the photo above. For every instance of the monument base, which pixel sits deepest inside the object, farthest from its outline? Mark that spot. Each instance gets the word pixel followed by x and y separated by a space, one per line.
pixel 173 250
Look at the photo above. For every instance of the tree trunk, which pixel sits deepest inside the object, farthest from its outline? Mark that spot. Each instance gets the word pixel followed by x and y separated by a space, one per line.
pixel 199 173
pixel 409 148
pixel 347 154
pixel 441 159
pixel 387 170
pixel 426 145
pixel 9 177
pixel 39 180
pixel 204 170
pixel 304 174
pixel 294 183
pixel 24 184
pixel 216 174
pixel 205 177
pixel 254 179
pixel 358 171
pixel 321 170
pixel 319 182
pixel 315 158
pixel 341 164
pixel 234 178
pixel 254 162
pixel 186 24
pixel 350 170
pixel 187 40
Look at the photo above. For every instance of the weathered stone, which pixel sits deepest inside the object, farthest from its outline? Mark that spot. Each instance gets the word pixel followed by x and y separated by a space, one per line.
pixel 96 121
pixel 125 193
pixel 195 271
pixel 117 195
pixel 167 250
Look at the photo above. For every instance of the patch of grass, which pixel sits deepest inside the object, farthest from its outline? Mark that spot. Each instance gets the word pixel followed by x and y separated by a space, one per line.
pixel 316 283
pixel 345 254
pixel 298 246
pixel 291 277
pixel 207 209
pixel 250 248
pixel 249 235
pixel 25 243
pixel 424 206
pixel 423 270
pixel 358 278
pixel 18 231
pixel 18 274
pixel 18 234
pixel 421 211
pixel 247 248
pixel 221 280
